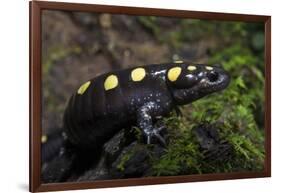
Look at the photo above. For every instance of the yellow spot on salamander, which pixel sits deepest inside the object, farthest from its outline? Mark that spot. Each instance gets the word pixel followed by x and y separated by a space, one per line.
pixel 174 73
pixel 110 82
pixel 138 74
pixel 209 68
pixel 44 139
pixel 83 87
pixel 191 68
pixel 178 61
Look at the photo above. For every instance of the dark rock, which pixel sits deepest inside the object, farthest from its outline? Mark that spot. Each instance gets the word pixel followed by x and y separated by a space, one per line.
pixel 213 147
pixel 50 149
pixel 113 147
pixel 97 172
pixel 59 168
pixel 123 157
pixel 132 162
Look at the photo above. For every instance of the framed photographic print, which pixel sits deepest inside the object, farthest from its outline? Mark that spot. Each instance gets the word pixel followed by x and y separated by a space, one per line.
pixel 123 96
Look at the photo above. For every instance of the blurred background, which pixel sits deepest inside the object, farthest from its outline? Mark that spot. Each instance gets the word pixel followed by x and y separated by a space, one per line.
pixel 78 46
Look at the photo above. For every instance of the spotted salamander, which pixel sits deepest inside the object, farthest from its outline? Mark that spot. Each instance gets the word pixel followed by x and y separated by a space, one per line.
pixel 136 97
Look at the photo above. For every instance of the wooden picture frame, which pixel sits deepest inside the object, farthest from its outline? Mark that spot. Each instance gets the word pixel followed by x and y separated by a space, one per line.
pixel 36 8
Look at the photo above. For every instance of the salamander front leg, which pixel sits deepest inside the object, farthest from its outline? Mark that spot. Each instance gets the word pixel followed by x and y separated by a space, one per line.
pixel 145 123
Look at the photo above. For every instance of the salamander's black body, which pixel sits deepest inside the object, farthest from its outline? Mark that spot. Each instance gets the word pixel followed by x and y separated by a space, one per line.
pixel 135 97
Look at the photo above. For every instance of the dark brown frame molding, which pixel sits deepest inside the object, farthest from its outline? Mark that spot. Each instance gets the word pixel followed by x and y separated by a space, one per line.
pixel 36 8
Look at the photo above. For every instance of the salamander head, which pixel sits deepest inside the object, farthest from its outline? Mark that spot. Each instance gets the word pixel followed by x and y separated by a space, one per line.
pixel 191 82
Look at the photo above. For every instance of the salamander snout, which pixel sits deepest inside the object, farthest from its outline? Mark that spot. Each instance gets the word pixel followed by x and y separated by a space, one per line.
pixel 215 79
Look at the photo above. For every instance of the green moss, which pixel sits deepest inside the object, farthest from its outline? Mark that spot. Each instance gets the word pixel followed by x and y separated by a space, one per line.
pixel 124 159
pixel 237 111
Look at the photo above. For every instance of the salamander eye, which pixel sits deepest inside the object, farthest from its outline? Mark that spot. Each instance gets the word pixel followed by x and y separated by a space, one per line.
pixel 213 76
